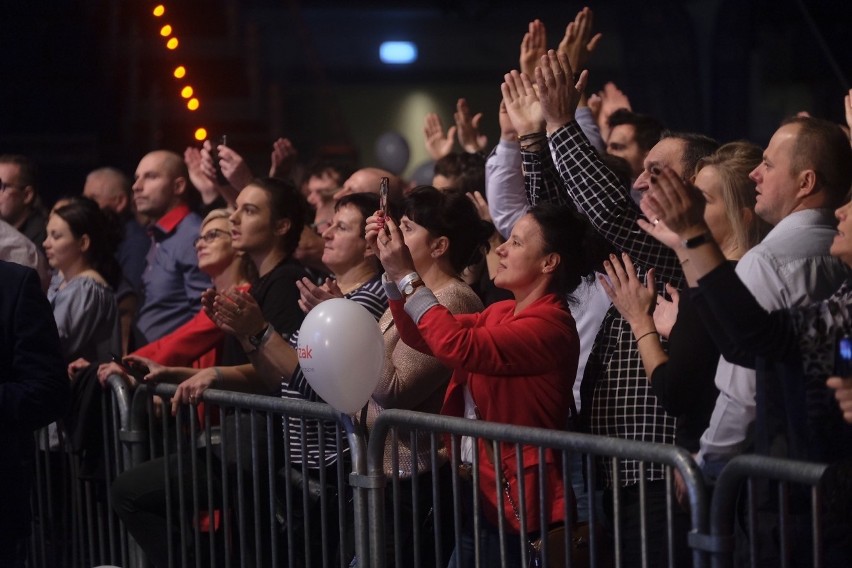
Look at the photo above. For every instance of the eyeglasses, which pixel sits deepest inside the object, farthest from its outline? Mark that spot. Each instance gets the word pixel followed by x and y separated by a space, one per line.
pixel 4 186
pixel 210 236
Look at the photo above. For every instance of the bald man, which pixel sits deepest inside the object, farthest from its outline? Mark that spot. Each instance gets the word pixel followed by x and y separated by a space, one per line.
pixel 172 283
pixel 367 180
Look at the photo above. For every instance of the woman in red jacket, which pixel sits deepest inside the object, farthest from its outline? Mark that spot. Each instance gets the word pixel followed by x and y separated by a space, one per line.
pixel 515 362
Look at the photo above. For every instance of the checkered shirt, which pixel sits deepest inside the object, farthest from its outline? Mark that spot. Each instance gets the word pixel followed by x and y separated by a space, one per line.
pixel 622 404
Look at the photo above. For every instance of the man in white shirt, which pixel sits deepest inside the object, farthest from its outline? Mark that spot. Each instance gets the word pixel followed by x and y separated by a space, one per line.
pixel 798 187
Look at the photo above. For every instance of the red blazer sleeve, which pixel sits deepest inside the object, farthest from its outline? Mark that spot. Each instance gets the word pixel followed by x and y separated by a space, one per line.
pixel 495 342
pixel 407 329
pixel 186 344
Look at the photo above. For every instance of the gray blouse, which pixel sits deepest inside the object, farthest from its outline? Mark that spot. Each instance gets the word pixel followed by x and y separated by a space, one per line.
pixel 86 317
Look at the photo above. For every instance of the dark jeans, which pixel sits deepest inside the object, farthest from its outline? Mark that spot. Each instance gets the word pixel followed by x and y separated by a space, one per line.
pixel 656 521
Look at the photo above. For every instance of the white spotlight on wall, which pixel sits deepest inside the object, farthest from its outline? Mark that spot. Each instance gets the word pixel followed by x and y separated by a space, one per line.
pixel 398 52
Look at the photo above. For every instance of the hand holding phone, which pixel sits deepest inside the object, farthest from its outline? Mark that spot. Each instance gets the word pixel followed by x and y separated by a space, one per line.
pixel 132 368
pixel 843 356
pixel 383 196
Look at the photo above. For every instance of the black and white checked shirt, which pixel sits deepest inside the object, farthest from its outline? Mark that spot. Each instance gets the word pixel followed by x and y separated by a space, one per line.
pixel 622 404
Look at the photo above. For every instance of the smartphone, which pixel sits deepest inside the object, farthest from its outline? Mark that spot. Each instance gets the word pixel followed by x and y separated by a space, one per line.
pixel 383 196
pixel 135 370
pixel 220 177
pixel 843 356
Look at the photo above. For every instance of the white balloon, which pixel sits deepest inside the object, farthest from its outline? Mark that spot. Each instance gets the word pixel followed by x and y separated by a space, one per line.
pixel 341 352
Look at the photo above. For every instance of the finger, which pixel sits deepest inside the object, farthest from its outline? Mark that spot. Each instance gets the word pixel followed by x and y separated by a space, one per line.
pixel 645 225
pixel 565 65
pixel 629 269
pixel 451 133
pixel 580 85
pixel 618 269
pixel 511 86
pixel 505 90
pixel 546 70
pixel 607 288
pixel 651 282
pixel 527 85
pixel 609 268
pixel 593 44
pixel 392 229
pixel 541 82
pixel 673 293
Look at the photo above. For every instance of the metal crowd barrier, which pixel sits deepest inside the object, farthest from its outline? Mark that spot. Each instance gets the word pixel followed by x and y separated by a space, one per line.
pixel 72 519
pixel 429 428
pixel 228 504
pixel 773 486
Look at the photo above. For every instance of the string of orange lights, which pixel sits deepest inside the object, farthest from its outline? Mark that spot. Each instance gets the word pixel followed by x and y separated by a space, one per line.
pixel 180 72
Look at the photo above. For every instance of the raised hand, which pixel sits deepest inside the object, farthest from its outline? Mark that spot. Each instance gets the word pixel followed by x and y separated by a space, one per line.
pixel 612 99
pixel 578 42
pixel 467 128
pixel 508 132
pixel 665 314
pixel 533 46
pixel 438 142
pixel 481 205
pixel 557 91
pixel 657 228
pixel 202 182
pixel 522 104
pixel 234 168
pixel 671 201
pixel 283 158
pixel 634 300
pixel 394 254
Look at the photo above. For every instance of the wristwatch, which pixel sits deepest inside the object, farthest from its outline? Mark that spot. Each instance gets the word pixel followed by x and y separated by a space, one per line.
pixel 261 337
pixel 697 241
pixel 409 283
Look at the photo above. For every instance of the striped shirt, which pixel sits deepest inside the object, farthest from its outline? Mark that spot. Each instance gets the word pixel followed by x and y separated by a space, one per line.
pixel 320 437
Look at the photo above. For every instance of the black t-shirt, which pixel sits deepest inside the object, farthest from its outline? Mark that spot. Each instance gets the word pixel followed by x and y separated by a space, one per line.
pixel 278 297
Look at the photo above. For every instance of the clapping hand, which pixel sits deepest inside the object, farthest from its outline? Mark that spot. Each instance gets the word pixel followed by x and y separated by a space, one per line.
pixel 557 91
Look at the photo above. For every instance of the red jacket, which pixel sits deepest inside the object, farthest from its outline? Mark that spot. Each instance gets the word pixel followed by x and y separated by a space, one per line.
pixel 520 370
pixel 197 343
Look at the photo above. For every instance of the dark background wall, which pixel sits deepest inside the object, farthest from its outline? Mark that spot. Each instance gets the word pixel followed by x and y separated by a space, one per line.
pixel 89 83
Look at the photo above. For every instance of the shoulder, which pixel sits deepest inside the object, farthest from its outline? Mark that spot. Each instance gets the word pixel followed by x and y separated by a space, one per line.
pixel 13 274
pixel 459 298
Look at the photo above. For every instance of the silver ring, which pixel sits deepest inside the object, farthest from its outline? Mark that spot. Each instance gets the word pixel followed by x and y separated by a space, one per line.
pixel 192 399
pixel 657 221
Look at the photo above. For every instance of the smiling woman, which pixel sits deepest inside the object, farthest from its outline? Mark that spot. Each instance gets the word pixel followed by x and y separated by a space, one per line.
pixel 513 363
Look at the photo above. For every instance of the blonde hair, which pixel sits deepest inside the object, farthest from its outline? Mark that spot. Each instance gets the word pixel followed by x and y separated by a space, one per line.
pixel 247 268
pixel 733 162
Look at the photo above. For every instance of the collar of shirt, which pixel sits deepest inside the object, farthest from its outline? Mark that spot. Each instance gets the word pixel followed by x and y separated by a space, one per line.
pixel 170 220
pixel 803 218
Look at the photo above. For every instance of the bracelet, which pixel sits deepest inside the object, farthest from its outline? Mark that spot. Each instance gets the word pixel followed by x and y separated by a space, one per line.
pixel 535 147
pixel 531 135
pixel 219 378
pixel 644 335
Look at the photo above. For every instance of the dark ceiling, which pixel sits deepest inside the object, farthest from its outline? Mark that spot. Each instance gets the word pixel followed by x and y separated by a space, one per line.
pixel 79 76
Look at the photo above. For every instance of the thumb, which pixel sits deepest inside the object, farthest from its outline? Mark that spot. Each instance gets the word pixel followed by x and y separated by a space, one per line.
pixel 477 118
pixel 451 133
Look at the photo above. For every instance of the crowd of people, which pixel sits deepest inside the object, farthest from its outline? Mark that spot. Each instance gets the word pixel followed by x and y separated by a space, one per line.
pixel 592 271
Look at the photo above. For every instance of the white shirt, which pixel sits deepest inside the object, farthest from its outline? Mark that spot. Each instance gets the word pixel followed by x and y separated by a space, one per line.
pixel 790 267
pixel 17 248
